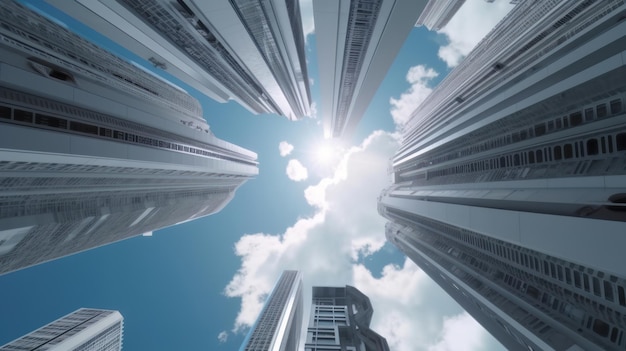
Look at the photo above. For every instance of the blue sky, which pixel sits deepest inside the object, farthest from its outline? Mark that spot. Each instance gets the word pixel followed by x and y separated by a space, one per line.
pixel 185 285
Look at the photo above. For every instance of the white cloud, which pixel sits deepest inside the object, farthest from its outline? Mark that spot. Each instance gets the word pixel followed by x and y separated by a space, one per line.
pixel 285 148
pixel 306 11
pixel 147 234
pixel 296 171
pixel 468 26
pixel 313 110
pixel 419 77
pixel 222 336
pixel 325 247
pixel 459 333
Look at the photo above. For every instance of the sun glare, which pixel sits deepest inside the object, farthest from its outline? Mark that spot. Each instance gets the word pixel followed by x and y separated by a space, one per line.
pixel 324 153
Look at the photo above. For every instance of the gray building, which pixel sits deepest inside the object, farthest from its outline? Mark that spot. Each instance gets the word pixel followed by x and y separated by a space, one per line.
pixel 509 185
pixel 94 149
pixel 279 324
pixel 357 41
pixel 248 51
pixel 85 329
pixel 340 320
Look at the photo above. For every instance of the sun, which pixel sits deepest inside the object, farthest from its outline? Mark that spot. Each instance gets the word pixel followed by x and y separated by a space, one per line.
pixel 324 153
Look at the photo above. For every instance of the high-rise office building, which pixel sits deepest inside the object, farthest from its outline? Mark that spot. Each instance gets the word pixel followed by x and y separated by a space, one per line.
pixel 509 186
pixel 248 51
pixel 94 149
pixel 85 329
pixel 279 325
pixel 340 320
pixel 357 41
pixel 438 13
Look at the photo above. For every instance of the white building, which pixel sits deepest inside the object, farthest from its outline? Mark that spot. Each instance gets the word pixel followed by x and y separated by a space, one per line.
pixel 340 320
pixel 357 41
pixel 85 329
pixel 248 51
pixel 438 13
pixel 94 149
pixel 279 324
pixel 509 185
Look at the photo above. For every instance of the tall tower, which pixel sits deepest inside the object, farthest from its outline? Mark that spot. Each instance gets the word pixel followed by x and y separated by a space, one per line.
pixel 509 186
pixel 357 41
pixel 340 320
pixel 85 329
pixel 278 326
pixel 94 149
pixel 438 13
pixel 248 51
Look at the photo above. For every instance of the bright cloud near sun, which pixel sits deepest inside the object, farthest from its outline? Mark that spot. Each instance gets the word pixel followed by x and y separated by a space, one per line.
pixel 419 77
pixel 296 171
pixel 285 148
pixel 329 245
pixel 468 26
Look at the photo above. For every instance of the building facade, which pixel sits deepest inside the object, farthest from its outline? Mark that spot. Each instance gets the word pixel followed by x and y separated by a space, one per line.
pixel 340 320
pixel 94 149
pixel 279 325
pixel 508 188
pixel 438 13
pixel 248 51
pixel 85 329
pixel 357 41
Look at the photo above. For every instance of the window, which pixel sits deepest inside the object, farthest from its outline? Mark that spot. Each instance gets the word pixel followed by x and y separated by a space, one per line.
pixel 576 118
pixel 620 140
pixel 557 153
pixel 5 112
pixel 592 147
pixel 601 327
pixel 51 121
pixel 540 129
pixel 567 151
pixel 23 116
pixel 577 281
pixel 539 155
pixel 596 286
pixel 608 290
pixel 601 110
pixel 616 106
pixel 84 128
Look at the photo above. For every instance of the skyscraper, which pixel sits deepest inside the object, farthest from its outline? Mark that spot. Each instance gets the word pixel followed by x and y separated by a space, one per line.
pixel 94 149
pixel 248 51
pixel 85 329
pixel 438 13
pixel 278 326
pixel 340 320
pixel 357 41
pixel 509 186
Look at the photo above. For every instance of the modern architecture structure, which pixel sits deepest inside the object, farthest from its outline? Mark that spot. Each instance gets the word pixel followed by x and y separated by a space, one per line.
pixel 340 320
pixel 357 41
pixel 438 13
pixel 94 149
pixel 279 325
pixel 510 183
pixel 85 329
pixel 248 51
